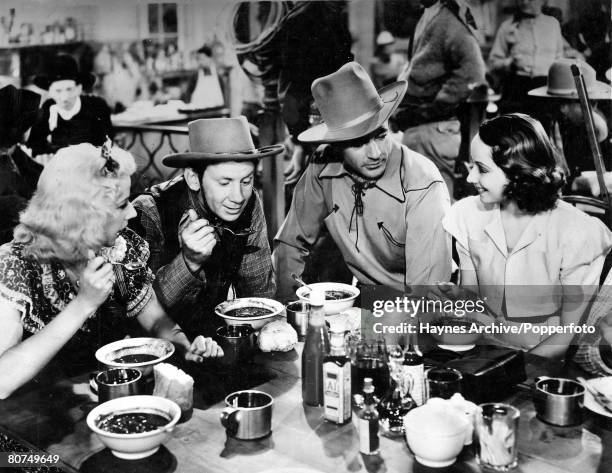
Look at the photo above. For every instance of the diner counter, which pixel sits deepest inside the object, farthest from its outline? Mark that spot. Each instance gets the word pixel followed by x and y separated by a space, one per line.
pixel 52 417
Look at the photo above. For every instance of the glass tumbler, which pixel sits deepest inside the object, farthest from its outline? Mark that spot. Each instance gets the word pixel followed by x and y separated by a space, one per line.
pixel 496 428
pixel 442 382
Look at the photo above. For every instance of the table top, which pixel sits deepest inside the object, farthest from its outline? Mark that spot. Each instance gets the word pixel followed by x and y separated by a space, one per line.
pixel 53 418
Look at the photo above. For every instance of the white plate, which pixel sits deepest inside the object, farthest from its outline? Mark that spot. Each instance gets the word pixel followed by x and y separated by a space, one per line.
pixel 603 385
pixel 456 347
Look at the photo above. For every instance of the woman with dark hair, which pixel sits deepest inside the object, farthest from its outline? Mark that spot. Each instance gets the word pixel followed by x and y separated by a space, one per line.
pixel 532 257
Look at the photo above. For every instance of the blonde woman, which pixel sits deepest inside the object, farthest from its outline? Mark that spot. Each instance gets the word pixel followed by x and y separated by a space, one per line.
pixel 58 293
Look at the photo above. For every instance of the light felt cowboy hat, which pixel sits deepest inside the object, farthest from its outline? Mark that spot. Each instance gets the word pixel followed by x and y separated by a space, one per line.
pixel 350 106
pixel 560 83
pixel 215 140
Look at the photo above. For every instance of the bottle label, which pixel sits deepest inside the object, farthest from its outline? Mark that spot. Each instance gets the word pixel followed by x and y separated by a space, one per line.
pixel 368 436
pixel 417 374
pixel 337 392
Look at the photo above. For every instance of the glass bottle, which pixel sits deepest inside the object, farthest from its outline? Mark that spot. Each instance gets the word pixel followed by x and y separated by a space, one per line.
pixel 337 378
pixel 316 346
pixel 369 442
pixel 413 369
pixel 397 401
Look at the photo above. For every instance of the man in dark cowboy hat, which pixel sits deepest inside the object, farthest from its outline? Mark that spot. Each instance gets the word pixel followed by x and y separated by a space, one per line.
pixel 206 229
pixel 68 117
pixel 381 202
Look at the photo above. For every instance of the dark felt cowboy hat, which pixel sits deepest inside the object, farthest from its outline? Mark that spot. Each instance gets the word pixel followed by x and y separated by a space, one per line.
pixel 350 105
pixel 560 83
pixel 18 109
pixel 63 67
pixel 215 140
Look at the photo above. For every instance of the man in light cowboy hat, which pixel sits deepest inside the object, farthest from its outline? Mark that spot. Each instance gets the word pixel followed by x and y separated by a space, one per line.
pixel 381 202
pixel 566 124
pixel 67 117
pixel 206 229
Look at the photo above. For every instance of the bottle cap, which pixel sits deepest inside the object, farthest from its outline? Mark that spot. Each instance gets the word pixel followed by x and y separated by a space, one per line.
pixel 368 387
pixel 317 297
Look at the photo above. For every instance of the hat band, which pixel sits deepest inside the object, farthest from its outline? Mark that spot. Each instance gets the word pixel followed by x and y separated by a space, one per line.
pixel 562 91
pixel 361 118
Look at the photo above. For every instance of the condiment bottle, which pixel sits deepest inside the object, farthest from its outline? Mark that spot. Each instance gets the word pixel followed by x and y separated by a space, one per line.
pixel 337 378
pixel 369 442
pixel 414 367
pixel 316 346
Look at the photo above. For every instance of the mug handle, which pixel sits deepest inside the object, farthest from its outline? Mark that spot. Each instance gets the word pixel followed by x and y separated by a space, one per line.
pixel 93 386
pixel 230 419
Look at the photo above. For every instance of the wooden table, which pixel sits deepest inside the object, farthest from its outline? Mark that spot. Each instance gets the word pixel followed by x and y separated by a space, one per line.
pixel 53 418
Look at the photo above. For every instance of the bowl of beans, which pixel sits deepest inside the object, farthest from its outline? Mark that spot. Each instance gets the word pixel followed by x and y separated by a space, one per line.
pixel 338 296
pixel 134 427
pixel 253 311
pixel 141 353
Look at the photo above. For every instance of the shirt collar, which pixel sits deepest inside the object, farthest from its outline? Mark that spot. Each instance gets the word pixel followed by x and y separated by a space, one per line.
pixel 390 182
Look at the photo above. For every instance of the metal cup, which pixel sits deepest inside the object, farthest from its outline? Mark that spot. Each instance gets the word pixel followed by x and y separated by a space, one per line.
pixel 297 316
pixel 558 401
pixel 118 382
pixel 248 414
pixel 237 341
pixel 443 382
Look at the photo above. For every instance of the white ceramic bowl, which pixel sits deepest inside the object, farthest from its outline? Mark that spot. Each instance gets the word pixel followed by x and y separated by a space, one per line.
pixel 275 308
pixel 139 445
pixel 332 306
pixel 160 348
pixel 435 435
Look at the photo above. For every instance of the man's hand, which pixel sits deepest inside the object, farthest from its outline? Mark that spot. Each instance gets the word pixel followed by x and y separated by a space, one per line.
pixel 203 348
pixel 197 241
pixel 43 159
pixel 296 166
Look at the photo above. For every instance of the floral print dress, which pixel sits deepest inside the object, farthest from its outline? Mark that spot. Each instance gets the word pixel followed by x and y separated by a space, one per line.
pixel 40 291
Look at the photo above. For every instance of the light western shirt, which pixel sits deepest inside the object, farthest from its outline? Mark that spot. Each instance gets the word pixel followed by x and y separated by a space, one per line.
pixel 397 242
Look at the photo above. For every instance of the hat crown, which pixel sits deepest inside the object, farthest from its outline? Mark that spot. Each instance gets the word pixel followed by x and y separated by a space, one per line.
pixel 561 80
pixel 220 135
pixel 346 96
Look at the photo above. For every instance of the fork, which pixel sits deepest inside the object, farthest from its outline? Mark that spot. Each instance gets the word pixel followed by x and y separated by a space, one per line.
pixel 599 397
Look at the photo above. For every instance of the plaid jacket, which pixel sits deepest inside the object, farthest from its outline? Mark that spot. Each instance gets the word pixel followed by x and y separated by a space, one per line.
pixel 190 298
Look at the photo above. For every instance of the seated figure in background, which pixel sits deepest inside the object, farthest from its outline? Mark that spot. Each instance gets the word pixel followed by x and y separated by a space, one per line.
pixel 381 202
pixel 206 228
pixel 445 65
pixel 531 256
pixel 67 117
pixel 59 294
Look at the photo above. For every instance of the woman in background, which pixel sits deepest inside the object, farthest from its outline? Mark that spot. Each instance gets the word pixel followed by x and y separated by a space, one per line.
pixel 532 257
pixel 59 294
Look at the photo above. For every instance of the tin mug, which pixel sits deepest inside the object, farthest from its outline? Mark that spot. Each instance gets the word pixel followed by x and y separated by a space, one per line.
pixel 297 316
pixel 558 401
pixel 117 382
pixel 238 343
pixel 247 415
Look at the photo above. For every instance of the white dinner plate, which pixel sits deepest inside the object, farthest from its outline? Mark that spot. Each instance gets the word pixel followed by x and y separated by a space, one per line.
pixel 457 347
pixel 603 385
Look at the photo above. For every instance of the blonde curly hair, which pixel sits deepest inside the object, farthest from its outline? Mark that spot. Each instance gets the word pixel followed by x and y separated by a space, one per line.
pixel 73 204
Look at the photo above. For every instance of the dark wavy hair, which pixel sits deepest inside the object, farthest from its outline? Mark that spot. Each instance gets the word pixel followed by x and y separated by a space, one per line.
pixel 521 148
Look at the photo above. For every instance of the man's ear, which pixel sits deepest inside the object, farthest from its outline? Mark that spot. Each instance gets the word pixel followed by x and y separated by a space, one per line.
pixel 192 179
pixel 79 89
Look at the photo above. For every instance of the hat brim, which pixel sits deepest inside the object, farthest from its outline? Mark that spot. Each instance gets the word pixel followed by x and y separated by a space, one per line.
pixel 601 91
pixel 45 81
pixel 188 159
pixel 391 95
